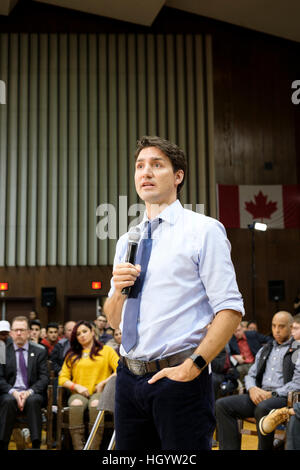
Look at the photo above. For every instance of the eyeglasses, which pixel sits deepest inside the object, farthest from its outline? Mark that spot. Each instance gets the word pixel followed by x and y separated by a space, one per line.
pixel 21 330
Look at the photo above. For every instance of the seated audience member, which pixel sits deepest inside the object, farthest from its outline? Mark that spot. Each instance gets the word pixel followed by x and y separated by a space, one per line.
pixel 23 383
pixel 101 322
pixel 43 332
pixel 109 331
pixel 296 327
pixel 86 369
pixel 33 315
pixel 51 337
pixel 243 347
pixel 116 341
pixel 61 348
pixel 61 331
pixel 273 374
pixel 4 338
pixel 270 422
pixel 297 304
pixel 224 375
pixel 4 330
pixel 252 326
pixel 35 331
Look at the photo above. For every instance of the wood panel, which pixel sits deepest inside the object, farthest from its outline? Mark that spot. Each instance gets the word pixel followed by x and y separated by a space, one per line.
pixel 277 258
pixel 74 281
pixel 254 122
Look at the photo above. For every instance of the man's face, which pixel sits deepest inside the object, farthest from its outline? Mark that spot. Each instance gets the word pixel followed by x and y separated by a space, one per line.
pixel 35 332
pixel 20 332
pixel 281 328
pixel 239 332
pixel 155 180
pixel 4 335
pixel 68 329
pixel 296 331
pixel 101 322
pixel 52 334
pixel 118 336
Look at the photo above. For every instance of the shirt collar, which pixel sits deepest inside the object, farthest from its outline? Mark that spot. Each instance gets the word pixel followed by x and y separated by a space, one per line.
pixel 170 214
pixel 288 342
pixel 26 346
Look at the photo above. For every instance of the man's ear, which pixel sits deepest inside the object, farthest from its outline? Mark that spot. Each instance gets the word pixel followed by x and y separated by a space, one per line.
pixel 179 176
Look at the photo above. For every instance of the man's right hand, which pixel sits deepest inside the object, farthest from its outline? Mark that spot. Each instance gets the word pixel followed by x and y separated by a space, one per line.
pixel 239 358
pixel 257 395
pixel 19 399
pixel 124 275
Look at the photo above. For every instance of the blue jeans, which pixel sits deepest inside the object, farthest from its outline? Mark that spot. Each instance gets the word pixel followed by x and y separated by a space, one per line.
pixel 166 415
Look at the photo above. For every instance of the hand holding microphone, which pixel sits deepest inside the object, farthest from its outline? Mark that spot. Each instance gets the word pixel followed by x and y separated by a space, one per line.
pixel 125 274
pixel 133 239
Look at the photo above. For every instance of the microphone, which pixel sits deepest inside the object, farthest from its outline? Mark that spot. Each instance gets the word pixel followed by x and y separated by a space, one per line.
pixel 134 235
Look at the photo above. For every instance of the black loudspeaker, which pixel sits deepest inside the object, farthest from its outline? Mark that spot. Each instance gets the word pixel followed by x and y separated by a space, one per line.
pixel 48 296
pixel 276 290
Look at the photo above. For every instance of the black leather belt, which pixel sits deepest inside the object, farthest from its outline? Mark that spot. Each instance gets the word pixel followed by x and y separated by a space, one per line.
pixel 143 367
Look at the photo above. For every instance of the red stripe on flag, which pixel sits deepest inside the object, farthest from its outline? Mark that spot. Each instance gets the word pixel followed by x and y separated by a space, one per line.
pixel 291 205
pixel 229 209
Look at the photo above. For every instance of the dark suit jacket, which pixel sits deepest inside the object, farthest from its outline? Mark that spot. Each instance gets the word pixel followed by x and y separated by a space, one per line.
pixel 37 368
pixel 255 341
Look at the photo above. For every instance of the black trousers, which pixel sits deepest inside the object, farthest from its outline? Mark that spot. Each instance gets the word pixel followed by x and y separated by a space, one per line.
pixel 166 415
pixel 9 412
pixel 230 409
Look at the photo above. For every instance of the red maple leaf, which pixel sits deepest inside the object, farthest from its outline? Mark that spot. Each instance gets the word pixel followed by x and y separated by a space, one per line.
pixel 261 209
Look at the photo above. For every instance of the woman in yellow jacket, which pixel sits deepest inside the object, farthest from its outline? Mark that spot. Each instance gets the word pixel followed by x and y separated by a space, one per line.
pixel 87 368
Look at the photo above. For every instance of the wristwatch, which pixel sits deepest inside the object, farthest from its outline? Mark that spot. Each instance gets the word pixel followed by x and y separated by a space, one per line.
pixel 198 360
pixel 274 394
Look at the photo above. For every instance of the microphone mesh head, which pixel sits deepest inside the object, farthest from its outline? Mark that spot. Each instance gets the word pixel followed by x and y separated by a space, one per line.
pixel 134 234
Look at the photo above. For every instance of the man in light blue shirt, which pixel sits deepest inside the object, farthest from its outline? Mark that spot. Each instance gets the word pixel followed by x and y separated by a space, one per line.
pixel 188 284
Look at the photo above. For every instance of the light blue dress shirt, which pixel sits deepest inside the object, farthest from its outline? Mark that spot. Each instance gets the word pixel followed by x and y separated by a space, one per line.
pixel 190 278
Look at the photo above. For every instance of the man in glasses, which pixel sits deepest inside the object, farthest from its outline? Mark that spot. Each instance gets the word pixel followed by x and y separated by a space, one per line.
pixel 23 383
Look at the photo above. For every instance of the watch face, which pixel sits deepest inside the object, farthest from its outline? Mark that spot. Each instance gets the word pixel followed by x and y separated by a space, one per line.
pixel 200 362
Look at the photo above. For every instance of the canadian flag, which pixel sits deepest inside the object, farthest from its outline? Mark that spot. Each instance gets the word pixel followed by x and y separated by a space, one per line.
pixel 278 206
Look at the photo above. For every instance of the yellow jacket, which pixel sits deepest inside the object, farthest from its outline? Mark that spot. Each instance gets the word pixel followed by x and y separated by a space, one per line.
pixel 89 372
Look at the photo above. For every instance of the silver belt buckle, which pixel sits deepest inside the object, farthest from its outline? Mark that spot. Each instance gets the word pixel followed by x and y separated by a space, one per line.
pixel 136 367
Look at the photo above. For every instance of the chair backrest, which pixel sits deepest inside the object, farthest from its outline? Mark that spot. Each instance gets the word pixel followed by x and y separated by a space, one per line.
pixel 107 398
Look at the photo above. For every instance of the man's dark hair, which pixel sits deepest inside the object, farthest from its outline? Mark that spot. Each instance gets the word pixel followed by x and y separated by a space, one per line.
pixel 52 325
pixel 172 151
pixel 35 322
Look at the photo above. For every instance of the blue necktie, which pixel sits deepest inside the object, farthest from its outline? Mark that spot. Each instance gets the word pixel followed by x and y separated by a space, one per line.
pixel 132 309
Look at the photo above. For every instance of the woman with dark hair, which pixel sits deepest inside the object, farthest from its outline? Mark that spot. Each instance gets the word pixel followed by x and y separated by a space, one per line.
pixel 86 369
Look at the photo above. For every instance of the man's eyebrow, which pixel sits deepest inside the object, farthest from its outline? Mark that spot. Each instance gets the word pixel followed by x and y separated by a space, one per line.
pixel 152 158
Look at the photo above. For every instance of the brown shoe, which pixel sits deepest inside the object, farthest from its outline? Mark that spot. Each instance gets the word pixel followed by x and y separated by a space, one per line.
pixel 270 422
